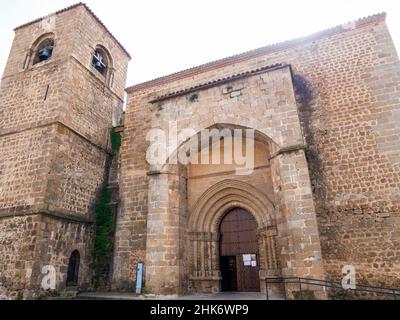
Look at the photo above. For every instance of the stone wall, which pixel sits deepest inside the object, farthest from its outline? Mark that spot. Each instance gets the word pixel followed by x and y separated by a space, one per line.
pixel 76 175
pixel 24 161
pixel 262 100
pixel 31 98
pixel 327 105
pixel 346 80
pixel 30 243
pixel 202 176
pixel 56 241
pixel 18 245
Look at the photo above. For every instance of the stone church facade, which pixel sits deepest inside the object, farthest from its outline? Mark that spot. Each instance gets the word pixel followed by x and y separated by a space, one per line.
pixel 324 192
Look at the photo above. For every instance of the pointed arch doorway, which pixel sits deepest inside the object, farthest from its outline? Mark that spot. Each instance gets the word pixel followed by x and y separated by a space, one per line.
pixel 73 269
pixel 239 256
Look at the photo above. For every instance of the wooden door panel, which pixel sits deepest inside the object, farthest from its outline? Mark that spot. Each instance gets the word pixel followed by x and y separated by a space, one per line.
pixel 238 233
pixel 229 273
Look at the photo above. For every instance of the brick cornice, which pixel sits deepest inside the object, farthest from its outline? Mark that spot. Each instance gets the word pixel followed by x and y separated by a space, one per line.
pixel 259 52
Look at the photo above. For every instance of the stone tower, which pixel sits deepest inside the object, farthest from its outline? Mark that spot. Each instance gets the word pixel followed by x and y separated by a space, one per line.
pixel 61 91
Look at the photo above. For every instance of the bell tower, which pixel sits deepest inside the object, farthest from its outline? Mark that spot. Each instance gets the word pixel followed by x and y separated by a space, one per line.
pixel 61 91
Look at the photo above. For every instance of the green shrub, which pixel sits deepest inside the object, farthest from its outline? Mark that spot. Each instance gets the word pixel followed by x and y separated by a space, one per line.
pixel 104 228
pixel 116 140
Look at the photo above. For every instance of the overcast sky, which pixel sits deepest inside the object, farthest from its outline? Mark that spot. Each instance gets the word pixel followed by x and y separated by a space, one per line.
pixel 165 36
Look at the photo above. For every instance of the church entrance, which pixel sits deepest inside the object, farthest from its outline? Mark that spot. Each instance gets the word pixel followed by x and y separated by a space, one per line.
pixel 239 258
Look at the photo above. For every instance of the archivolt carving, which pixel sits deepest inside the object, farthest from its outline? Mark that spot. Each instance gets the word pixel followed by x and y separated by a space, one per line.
pixel 228 194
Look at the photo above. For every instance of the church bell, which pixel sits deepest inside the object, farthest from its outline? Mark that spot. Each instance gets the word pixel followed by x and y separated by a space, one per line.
pixel 98 62
pixel 45 53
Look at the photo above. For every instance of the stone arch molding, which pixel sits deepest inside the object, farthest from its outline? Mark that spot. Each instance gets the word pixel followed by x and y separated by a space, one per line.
pixel 263 134
pixel 211 207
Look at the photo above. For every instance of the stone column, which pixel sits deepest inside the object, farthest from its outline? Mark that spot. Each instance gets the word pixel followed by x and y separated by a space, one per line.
pixel 163 236
pixel 298 239
pixel 204 262
pixel 216 272
pixel 269 265
pixel 262 258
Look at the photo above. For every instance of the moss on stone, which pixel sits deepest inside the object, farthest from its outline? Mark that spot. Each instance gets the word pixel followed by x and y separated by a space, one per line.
pixel 104 228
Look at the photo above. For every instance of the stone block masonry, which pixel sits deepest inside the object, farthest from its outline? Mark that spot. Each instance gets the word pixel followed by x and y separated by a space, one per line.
pixel 347 99
pixel 324 191
pixel 55 118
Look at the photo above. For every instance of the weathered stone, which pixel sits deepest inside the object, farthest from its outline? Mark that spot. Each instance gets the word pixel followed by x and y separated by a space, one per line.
pixel 54 140
pixel 324 190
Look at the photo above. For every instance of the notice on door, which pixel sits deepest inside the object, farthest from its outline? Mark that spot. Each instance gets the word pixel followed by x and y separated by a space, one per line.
pixel 250 260
pixel 247 260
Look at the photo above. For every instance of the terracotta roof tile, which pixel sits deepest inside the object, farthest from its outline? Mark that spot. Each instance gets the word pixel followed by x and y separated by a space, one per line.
pixel 258 52
pixel 90 11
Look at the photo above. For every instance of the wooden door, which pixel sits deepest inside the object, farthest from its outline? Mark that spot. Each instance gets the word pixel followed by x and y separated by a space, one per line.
pixel 238 239
pixel 73 269
pixel 229 273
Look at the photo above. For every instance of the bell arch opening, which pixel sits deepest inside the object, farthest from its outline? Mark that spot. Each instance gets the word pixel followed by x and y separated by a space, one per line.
pixel 102 63
pixel 41 50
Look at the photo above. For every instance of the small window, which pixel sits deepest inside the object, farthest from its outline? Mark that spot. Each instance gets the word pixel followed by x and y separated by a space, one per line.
pixel 44 51
pixel 100 62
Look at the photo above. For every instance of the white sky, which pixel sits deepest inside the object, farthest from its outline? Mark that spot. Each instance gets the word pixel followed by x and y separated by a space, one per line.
pixel 165 36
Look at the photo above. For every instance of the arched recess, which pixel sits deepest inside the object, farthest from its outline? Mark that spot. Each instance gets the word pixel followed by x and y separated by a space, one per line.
pixel 195 230
pixel 172 151
pixel 102 62
pixel 42 49
pixel 204 224
pixel 225 195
